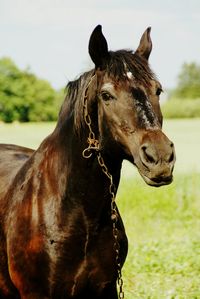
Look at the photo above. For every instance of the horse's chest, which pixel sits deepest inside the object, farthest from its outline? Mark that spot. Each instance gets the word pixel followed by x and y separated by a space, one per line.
pixel 84 262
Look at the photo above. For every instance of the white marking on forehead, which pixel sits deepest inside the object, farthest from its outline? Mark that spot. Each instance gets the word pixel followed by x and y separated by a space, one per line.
pixel 108 86
pixel 129 75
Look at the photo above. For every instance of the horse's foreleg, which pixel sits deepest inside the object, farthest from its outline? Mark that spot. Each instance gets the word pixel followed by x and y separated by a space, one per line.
pixel 7 289
pixel 28 267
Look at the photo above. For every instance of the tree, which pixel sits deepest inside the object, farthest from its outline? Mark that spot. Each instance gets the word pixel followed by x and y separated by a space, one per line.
pixel 24 97
pixel 188 81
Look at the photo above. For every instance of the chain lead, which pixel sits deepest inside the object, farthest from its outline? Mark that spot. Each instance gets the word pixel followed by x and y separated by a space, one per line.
pixel 93 146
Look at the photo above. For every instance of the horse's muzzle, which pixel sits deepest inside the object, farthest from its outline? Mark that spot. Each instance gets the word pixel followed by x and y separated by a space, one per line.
pixel 156 159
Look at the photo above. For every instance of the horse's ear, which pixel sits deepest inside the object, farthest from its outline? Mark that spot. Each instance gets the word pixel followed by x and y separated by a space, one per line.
pixel 145 46
pixel 98 47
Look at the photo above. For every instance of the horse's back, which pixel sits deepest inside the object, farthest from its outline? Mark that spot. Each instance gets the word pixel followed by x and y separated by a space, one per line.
pixel 12 158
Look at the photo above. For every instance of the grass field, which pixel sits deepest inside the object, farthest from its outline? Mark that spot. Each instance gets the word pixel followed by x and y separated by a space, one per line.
pixel 163 228
pixel 162 224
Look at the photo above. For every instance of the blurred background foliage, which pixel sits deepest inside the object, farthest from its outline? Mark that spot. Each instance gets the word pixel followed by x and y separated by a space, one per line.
pixel 184 100
pixel 26 98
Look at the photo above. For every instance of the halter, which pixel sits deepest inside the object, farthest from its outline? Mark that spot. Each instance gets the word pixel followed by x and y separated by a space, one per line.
pixel 94 148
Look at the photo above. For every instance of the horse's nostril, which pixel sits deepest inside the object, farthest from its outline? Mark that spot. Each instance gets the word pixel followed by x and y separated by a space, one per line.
pixel 171 144
pixel 147 155
pixel 171 158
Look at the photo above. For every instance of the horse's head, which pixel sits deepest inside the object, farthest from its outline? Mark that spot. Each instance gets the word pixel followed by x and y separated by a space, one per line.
pixel 129 115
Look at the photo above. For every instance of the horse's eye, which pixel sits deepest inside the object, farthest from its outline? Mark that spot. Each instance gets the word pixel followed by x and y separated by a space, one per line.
pixel 106 96
pixel 158 91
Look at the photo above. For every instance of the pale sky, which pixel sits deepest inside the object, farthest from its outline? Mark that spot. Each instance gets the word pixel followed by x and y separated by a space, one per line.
pixel 51 37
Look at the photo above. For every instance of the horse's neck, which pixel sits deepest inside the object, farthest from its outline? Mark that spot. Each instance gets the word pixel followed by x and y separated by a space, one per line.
pixel 77 180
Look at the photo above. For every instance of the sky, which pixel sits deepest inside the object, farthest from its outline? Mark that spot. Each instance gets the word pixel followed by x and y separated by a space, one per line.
pixel 51 36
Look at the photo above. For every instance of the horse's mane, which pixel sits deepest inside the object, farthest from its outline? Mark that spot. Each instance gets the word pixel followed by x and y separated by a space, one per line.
pixel 116 66
pixel 73 102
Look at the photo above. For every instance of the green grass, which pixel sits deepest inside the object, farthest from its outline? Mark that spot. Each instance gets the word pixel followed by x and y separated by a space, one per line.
pixel 163 228
pixel 25 134
pixel 162 224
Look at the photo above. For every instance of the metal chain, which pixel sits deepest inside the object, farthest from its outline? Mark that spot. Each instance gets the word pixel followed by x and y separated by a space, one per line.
pixel 114 218
pixel 93 146
pixel 93 143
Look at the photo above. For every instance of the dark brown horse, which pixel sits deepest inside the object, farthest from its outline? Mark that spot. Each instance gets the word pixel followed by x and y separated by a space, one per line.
pixel 61 235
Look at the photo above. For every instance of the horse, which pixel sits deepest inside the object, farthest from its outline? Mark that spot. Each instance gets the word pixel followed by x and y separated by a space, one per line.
pixel 61 233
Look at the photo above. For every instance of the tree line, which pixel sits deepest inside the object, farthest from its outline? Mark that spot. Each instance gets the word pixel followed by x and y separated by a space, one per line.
pixel 184 100
pixel 24 97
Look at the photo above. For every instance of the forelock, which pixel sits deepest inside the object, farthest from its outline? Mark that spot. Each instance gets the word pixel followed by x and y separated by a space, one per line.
pixel 124 64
